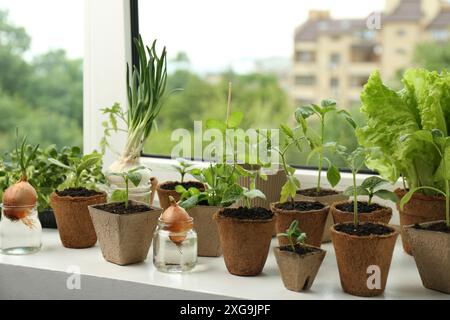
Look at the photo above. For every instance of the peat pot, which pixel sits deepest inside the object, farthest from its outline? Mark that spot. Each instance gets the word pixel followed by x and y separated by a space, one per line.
pixel 380 215
pixel 167 189
pixel 208 240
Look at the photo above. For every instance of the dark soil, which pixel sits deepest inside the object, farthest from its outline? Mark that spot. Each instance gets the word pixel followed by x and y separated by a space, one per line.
pixel 438 227
pixel 300 250
pixel 363 207
pixel 300 206
pixel 119 208
pixel 364 230
pixel 171 185
pixel 243 213
pixel 313 192
pixel 78 192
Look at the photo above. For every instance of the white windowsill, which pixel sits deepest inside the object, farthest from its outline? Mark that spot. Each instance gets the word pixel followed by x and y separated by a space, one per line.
pixel 43 276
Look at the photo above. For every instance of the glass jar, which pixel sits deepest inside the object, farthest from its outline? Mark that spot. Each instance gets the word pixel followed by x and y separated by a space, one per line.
pixel 20 231
pixel 175 247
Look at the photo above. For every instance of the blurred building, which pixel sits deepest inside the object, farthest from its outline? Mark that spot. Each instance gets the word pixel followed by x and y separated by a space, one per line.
pixel 334 58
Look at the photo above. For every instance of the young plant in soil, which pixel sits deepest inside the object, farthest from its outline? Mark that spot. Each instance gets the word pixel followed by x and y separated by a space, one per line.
pixel 78 182
pixel 133 176
pixel 296 237
pixel 183 167
pixel 441 143
pixel 317 142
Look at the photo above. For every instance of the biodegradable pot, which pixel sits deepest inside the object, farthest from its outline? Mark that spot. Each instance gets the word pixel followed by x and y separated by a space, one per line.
pixel 298 271
pixel 271 188
pixel 164 194
pixel 328 201
pixel 74 222
pixel 420 209
pixel 125 238
pixel 245 243
pixel 382 215
pixel 310 222
pixel 431 251
pixel 356 254
pixel 208 241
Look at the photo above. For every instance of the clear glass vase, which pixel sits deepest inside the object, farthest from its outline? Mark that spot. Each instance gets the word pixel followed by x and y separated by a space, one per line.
pixel 175 247
pixel 20 231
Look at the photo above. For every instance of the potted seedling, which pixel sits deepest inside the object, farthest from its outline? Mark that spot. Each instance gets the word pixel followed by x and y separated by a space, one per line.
pixel 392 115
pixel 430 242
pixel 70 202
pixel 362 247
pixel 298 262
pixel 245 232
pixel 125 227
pixel 368 211
pixel 318 146
pixel 311 215
pixel 168 188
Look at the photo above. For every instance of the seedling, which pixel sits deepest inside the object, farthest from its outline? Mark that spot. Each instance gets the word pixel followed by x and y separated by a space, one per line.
pixel 78 168
pixel 371 187
pixel 294 235
pixel 183 167
pixel 442 144
pixel 317 141
pixel 131 175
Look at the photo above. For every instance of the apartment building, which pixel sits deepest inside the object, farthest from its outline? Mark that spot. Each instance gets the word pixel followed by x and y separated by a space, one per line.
pixel 334 58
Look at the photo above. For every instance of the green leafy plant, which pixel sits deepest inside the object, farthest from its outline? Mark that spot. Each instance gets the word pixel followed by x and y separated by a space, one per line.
pixel 316 141
pixel 294 235
pixel 441 144
pixel 77 171
pixel 146 85
pixel 131 175
pixel 221 189
pixel 421 105
pixel 372 187
pixel 43 175
pixel 183 167
pixel 355 162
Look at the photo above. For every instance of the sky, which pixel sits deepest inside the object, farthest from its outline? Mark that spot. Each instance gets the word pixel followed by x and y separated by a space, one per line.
pixel 215 34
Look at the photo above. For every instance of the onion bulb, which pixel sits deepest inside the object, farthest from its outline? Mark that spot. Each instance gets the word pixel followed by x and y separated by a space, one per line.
pixel 177 221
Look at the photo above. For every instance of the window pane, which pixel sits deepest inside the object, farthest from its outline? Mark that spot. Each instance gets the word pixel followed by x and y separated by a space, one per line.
pixel 284 54
pixel 41 73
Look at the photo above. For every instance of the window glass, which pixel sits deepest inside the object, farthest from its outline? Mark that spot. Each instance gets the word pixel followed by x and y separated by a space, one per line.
pixel 278 56
pixel 41 74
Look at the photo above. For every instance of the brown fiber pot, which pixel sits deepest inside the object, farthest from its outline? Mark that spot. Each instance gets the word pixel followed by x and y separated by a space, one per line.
pixel 271 188
pixel 310 222
pixel 355 255
pixel 431 251
pixel 208 240
pixel 328 201
pixel 420 209
pixel 163 194
pixel 383 215
pixel 298 272
pixel 125 238
pixel 245 244
pixel 74 222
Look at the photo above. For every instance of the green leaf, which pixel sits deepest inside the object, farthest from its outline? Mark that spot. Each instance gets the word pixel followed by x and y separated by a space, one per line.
pixel 289 189
pixel 254 193
pixel 190 202
pixel 135 178
pixel 328 103
pixel 235 119
pixel 216 124
pixel 386 195
pixel 119 196
pixel 424 135
pixel 373 182
pixel 88 161
pixel 59 164
pixel 232 194
pixel 333 175
pixel 407 197
pixel 304 113
pixel 360 191
pixel 180 189
pixel 348 117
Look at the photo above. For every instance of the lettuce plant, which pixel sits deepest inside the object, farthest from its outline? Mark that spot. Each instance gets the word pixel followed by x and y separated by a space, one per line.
pixel 423 104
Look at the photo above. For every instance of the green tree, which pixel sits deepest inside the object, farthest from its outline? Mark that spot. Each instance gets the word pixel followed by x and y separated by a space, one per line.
pixel 433 55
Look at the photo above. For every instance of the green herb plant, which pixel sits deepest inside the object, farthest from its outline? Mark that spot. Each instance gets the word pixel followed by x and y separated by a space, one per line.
pixel 183 167
pixel 78 171
pixel 131 175
pixel 372 187
pixel 294 235
pixel 441 143
pixel 317 142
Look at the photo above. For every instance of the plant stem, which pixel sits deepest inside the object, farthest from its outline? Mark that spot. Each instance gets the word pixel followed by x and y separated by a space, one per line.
pixel 369 202
pixel 355 201
pixel 447 203
pixel 322 134
pixel 126 192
